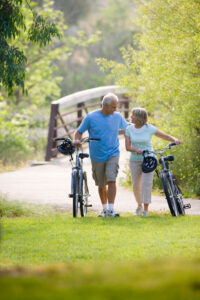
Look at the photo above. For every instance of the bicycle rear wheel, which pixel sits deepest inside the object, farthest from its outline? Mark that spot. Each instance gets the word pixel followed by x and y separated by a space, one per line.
pixel 178 196
pixel 75 193
pixel 168 189
pixel 84 196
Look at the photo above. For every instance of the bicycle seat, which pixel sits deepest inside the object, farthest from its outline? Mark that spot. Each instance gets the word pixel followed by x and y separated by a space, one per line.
pixel 83 155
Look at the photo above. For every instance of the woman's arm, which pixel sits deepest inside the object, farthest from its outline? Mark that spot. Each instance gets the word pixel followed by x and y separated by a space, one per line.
pixel 167 137
pixel 129 146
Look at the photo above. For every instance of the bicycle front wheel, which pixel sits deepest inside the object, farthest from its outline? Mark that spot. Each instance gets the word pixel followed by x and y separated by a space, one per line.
pixel 168 189
pixel 178 196
pixel 84 196
pixel 75 193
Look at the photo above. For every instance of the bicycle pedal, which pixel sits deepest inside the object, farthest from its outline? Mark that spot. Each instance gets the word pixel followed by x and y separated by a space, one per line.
pixel 187 206
pixel 88 205
pixel 70 195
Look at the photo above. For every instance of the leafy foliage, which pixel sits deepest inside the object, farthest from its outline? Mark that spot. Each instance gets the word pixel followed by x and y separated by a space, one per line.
pixel 41 33
pixel 164 74
pixel 12 59
pixel 43 80
pixel 13 139
pixel 115 20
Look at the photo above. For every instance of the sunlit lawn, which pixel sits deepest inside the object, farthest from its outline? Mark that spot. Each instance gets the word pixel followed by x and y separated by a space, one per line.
pixel 58 257
pixel 60 238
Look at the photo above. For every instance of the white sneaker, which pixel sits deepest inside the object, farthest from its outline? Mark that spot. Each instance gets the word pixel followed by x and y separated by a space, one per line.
pixel 145 213
pixel 111 213
pixel 139 211
pixel 103 214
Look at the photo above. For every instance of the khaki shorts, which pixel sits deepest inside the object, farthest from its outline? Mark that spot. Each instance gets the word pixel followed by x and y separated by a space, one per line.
pixel 106 171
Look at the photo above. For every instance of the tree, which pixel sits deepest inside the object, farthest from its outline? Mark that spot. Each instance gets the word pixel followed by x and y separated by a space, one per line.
pixel 12 24
pixel 115 20
pixel 22 114
pixel 164 74
pixel 74 11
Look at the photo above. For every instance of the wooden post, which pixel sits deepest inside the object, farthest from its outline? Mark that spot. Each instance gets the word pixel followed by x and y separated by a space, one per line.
pixel 52 131
pixel 79 113
pixel 126 106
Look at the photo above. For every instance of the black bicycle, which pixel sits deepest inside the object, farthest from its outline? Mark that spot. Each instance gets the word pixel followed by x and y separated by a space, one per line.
pixel 170 186
pixel 79 187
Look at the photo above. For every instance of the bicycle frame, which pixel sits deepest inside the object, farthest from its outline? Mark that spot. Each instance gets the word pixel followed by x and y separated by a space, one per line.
pixel 77 167
pixel 79 186
pixel 167 179
pixel 166 170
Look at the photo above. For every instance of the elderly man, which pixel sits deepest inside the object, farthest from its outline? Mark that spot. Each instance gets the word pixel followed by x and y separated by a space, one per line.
pixel 105 125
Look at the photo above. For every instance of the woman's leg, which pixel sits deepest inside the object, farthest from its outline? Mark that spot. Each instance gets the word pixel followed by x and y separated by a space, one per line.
pixel 147 183
pixel 136 175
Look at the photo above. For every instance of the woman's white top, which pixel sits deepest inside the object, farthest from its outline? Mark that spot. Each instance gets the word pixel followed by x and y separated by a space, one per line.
pixel 141 139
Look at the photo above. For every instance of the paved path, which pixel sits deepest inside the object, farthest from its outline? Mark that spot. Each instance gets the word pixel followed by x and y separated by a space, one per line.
pixel 50 184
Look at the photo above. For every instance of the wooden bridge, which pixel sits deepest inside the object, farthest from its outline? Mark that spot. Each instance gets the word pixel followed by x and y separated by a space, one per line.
pixel 68 112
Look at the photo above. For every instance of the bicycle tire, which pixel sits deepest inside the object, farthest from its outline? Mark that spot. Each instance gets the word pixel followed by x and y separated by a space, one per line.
pixel 169 195
pixel 75 193
pixel 178 196
pixel 84 196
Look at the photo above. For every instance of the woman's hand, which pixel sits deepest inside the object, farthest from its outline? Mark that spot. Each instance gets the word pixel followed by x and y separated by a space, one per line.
pixel 129 146
pixel 138 151
pixel 177 142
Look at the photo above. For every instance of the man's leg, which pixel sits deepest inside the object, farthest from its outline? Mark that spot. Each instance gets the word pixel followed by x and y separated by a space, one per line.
pixel 98 173
pixel 112 167
pixel 111 192
pixel 103 195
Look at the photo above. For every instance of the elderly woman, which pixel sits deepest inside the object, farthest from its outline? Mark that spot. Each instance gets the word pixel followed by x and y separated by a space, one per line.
pixel 138 138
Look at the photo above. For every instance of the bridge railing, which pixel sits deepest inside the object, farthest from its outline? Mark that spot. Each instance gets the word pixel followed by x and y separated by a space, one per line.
pixel 68 112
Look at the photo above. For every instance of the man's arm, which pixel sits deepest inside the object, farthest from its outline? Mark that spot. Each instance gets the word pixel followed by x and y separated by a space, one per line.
pixel 77 137
pixel 121 131
pixel 124 124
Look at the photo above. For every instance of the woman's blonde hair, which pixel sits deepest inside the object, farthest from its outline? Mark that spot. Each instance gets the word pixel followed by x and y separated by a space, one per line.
pixel 141 115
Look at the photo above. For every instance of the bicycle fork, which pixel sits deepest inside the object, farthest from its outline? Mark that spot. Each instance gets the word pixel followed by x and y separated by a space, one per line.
pixel 75 175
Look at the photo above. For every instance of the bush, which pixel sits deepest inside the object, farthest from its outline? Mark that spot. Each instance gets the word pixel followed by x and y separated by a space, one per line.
pixel 20 138
pixel 14 146
pixel 12 208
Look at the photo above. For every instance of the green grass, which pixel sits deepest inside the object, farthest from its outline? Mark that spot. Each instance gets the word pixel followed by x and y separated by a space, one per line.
pixel 62 239
pixel 53 256
pixel 163 280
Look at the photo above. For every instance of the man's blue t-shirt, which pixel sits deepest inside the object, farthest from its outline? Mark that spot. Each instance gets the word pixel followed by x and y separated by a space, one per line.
pixel 105 128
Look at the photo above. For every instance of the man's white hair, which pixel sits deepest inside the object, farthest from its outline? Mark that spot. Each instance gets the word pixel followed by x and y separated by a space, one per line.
pixel 109 98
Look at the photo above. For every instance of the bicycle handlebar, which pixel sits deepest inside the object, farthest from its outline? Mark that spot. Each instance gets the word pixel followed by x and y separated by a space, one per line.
pixel 85 140
pixel 172 145
pixel 94 139
pixel 169 146
pixel 63 139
